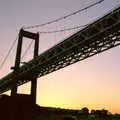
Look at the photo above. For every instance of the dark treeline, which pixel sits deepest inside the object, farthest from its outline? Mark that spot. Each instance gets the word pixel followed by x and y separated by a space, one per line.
pixel 23 111
pixel 48 113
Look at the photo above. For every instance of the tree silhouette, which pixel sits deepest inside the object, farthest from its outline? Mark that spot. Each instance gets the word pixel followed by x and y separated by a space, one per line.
pixel 85 110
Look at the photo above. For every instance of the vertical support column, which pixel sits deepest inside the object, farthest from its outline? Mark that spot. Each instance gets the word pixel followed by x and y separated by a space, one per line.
pixel 17 65
pixel 34 80
pixel 15 72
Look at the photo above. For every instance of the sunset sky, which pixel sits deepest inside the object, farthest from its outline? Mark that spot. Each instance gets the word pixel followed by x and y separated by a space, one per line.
pixel 94 82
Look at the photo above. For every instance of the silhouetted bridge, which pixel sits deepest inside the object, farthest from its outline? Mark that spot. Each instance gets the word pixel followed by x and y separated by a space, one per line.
pixel 97 37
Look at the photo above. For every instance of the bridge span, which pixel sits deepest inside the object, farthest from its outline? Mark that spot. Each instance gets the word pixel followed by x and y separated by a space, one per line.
pixel 97 37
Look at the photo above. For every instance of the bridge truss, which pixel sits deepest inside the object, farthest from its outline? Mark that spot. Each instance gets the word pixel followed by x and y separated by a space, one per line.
pixel 97 37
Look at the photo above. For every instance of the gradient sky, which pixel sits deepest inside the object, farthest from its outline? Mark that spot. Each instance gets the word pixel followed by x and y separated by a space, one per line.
pixel 94 82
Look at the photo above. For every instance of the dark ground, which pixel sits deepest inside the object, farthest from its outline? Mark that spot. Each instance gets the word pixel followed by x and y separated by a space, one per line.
pixel 23 110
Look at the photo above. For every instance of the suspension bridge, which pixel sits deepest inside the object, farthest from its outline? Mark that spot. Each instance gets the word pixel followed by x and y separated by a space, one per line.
pixel 94 38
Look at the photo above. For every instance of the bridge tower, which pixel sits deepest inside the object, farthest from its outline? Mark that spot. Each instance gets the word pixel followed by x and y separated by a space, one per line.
pixel 33 36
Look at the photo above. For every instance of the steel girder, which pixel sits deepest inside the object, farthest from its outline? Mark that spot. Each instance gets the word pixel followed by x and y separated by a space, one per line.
pixel 97 37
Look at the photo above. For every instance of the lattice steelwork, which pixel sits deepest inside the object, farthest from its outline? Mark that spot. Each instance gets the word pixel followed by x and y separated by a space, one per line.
pixel 95 38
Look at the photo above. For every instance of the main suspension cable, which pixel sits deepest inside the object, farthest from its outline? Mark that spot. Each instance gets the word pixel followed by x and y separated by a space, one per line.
pixel 63 30
pixel 8 53
pixel 64 17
